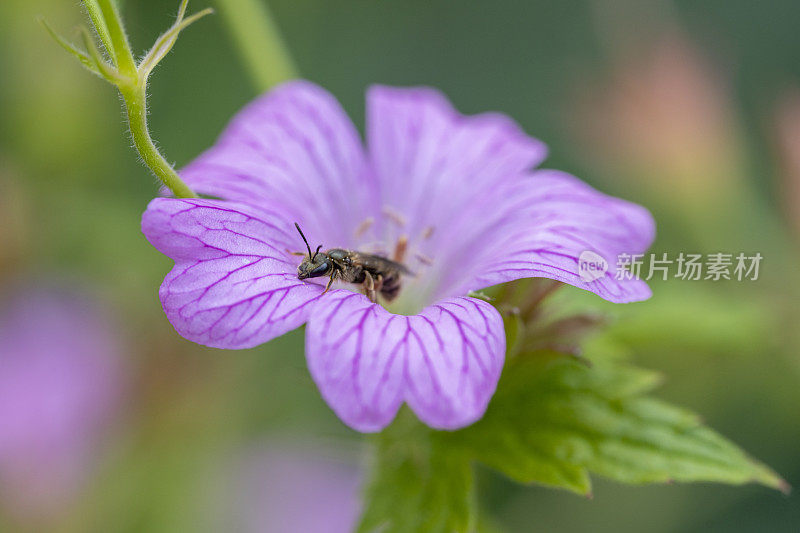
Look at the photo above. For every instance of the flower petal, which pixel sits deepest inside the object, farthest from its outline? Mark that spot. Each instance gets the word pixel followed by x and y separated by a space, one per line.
pixel 433 163
pixel 296 151
pixel 549 221
pixel 233 284
pixel 444 362
pixel 454 369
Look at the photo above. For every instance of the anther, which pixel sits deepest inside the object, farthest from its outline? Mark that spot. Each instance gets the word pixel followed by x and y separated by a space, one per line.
pixel 394 215
pixel 424 259
pixel 428 232
pixel 400 249
pixel 364 226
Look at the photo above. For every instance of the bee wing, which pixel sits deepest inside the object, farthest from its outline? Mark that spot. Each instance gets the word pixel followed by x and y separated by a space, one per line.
pixel 378 263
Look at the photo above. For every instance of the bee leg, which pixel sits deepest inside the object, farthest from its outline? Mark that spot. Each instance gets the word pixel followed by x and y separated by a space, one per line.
pixel 330 282
pixel 294 253
pixel 369 288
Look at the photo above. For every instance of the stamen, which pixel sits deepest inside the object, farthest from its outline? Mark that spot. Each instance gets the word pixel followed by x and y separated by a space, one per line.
pixel 427 233
pixel 364 226
pixel 400 249
pixel 424 259
pixel 394 215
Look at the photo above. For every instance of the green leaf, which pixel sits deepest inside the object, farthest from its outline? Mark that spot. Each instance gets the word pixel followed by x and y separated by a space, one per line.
pixel 418 484
pixel 167 40
pixel 555 420
pixel 80 55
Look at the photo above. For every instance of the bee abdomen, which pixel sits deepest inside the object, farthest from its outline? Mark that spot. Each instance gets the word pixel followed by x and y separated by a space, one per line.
pixel 391 287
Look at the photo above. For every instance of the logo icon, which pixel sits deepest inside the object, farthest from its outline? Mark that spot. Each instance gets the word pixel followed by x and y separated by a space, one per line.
pixel 591 266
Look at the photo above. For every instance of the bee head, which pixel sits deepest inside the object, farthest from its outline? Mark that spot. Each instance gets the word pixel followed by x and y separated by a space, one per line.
pixel 314 267
pixel 316 264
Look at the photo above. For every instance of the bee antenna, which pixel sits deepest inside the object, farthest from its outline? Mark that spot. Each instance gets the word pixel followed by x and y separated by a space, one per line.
pixel 296 225
pixel 315 253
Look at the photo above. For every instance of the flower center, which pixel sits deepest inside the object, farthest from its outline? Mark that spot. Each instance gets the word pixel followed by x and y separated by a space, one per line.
pixel 394 243
pixel 389 268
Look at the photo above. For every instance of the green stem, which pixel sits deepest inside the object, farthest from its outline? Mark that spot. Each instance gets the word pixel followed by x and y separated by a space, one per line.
pixel 258 40
pixel 130 78
pixel 122 48
pixel 99 24
pixel 136 108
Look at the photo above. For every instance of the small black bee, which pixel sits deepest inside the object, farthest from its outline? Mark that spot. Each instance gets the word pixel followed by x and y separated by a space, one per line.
pixel 376 274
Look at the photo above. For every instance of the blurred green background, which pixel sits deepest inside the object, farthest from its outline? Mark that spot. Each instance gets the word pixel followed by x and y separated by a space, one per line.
pixel 690 107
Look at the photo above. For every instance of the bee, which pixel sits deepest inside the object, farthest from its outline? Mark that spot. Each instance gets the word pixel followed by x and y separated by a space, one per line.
pixel 376 274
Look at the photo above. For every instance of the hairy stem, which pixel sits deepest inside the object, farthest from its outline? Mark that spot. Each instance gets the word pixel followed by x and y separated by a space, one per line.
pixel 259 42
pixel 130 78
pixel 136 109
pixel 119 40
pixel 99 23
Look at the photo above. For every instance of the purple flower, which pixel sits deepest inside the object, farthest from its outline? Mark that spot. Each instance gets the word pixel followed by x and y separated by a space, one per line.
pixel 60 375
pixel 460 189
pixel 285 488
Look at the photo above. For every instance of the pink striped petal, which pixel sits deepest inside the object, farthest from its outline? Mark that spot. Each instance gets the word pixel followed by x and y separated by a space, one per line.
pixel 233 284
pixel 293 150
pixel 551 219
pixel 444 362
pixel 435 165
